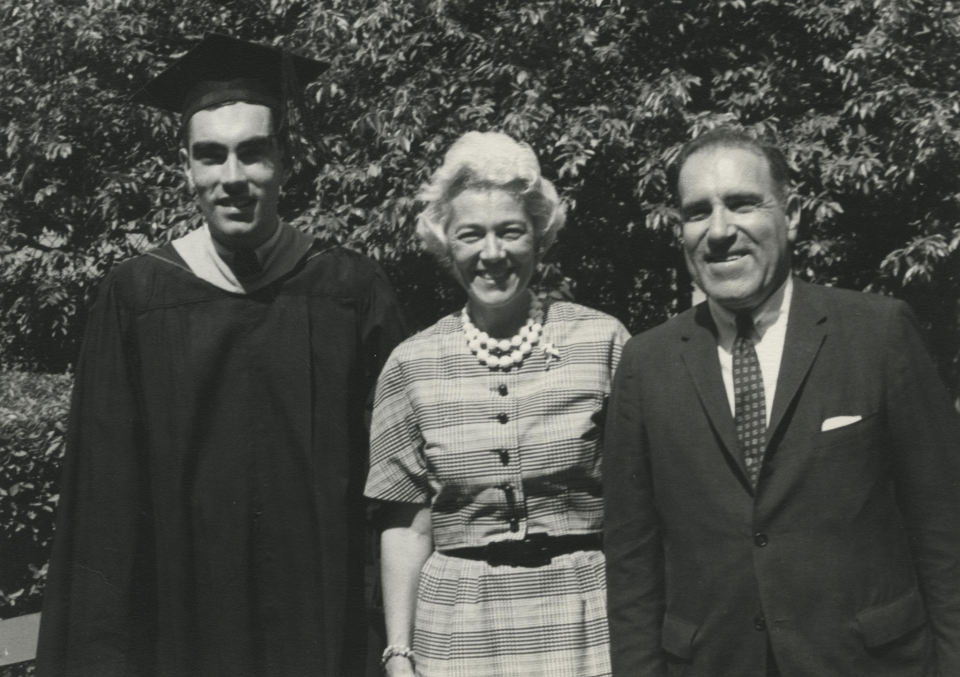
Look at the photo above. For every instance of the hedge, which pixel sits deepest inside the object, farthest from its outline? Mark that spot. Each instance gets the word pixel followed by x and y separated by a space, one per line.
pixel 33 411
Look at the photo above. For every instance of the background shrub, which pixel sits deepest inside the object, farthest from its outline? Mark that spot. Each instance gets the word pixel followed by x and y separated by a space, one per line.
pixel 33 410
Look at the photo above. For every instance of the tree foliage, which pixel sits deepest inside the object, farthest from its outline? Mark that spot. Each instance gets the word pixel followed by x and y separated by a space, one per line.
pixel 863 94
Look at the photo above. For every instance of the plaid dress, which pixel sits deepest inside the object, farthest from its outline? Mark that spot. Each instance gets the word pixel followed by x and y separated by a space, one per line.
pixel 499 455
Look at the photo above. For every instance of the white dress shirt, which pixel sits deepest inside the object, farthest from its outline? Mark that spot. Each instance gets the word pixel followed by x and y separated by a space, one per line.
pixel 769 332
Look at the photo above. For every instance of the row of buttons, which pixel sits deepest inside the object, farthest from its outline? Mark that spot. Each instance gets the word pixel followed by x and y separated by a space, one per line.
pixel 505 459
pixel 503 390
pixel 503 418
pixel 760 540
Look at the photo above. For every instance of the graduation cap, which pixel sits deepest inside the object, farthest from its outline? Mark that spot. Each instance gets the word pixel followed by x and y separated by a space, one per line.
pixel 222 69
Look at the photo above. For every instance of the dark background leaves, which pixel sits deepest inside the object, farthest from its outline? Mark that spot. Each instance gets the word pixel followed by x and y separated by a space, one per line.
pixel 863 95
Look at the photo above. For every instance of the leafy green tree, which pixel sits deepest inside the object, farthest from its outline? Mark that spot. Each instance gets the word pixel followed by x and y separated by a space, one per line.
pixel 863 94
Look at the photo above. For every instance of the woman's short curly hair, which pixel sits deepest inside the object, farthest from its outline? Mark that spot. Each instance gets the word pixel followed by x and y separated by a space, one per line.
pixel 488 161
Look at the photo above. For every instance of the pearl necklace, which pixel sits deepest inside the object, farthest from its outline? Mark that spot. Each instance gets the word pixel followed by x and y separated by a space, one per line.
pixel 505 353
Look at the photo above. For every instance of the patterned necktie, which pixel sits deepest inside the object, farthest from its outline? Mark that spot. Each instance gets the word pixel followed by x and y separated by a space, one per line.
pixel 750 405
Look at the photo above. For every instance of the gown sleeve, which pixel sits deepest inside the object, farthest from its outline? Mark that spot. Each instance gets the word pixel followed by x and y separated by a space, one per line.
pixel 96 618
pixel 382 328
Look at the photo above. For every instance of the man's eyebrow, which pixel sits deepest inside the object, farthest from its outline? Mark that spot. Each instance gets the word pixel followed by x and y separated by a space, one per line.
pixel 743 195
pixel 205 146
pixel 246 144
pixel 693 204
pixel 256 142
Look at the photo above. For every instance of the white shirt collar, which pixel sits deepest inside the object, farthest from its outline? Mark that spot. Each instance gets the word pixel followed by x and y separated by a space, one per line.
pixel 764 316
pixel 770 330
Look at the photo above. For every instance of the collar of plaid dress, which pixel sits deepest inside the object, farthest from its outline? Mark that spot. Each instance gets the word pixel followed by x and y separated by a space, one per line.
pixel 221 69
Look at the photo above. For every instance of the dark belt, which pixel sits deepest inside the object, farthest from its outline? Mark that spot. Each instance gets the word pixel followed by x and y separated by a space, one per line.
pixel 536 550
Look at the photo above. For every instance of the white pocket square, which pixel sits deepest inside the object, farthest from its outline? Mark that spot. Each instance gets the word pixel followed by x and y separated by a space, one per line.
pixel 838 422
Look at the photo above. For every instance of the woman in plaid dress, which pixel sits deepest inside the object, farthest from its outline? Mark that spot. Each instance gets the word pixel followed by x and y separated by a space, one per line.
pixel 486 443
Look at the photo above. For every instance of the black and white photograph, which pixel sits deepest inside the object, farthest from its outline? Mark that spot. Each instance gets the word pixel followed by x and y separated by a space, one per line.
pixel 480 338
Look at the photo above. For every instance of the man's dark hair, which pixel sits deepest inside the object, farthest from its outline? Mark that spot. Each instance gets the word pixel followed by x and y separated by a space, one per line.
pixel 731 137
pixel 278 125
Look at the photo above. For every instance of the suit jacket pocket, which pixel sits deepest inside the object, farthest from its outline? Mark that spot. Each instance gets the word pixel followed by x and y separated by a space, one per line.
pixel 886 622
pixel 866 429
pixel 677 636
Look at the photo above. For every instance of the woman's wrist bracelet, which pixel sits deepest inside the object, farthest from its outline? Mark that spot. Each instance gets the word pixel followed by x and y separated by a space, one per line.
pixel 395 650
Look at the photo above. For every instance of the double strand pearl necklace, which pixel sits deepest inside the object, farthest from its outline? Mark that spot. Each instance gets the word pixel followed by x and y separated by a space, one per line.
pixel 505 353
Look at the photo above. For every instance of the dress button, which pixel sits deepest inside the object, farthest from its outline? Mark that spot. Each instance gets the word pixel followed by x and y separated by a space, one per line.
pixel 759 623
pixel 760 540
pixel 504 456
pixel 503 418
pixel 502 389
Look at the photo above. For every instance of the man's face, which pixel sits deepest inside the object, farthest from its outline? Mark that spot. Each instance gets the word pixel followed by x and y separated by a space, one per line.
pixel 235 166
pixel 736 233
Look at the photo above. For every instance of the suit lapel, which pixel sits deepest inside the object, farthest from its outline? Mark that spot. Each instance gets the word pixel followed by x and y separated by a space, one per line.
pixel 806 329
pixel 698 349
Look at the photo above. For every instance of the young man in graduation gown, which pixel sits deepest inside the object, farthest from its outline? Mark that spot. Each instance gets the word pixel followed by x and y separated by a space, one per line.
pixel 211 519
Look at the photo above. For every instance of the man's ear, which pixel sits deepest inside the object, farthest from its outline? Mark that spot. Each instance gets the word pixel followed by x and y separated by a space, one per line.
pixel 185 165
pixel 676 219
pixel 793 216
pixel 286 167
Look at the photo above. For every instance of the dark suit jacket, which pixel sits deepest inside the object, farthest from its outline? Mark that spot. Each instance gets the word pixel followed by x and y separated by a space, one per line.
pixel 847 556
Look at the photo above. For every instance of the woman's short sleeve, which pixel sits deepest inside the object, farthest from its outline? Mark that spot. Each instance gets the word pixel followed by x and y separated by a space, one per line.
pixel 620 337
pixel 398 471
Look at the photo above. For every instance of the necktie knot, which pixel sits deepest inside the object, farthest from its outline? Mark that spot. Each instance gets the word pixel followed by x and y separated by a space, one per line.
pixel 245 263
pixel 744 325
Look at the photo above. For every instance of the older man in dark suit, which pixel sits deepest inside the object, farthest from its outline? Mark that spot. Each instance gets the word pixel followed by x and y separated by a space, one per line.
pixel 782 462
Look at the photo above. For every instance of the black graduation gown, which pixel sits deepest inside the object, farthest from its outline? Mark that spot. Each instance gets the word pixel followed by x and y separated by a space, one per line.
pixel 211 519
